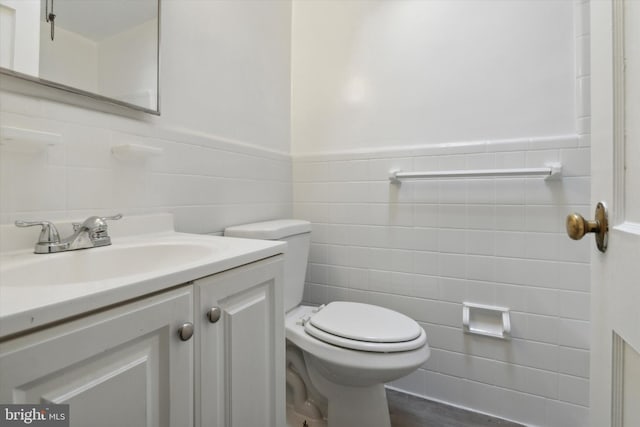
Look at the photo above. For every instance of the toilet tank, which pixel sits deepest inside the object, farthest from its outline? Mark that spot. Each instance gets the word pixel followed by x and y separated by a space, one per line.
pixel 297 234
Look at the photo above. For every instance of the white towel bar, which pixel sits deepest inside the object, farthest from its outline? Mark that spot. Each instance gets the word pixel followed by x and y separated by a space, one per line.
pixel 548 172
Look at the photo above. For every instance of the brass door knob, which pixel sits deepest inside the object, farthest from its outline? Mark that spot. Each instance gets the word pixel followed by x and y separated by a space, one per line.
pixel 577 226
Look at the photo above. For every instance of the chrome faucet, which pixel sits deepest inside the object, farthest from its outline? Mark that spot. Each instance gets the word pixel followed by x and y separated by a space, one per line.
pixel 89 234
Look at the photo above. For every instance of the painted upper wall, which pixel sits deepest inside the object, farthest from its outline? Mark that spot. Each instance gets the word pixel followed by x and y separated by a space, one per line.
pixel 225 69
pixel 375 74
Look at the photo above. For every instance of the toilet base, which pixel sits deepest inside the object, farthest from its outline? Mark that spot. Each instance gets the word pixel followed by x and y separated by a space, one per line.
pixel 350 406
pixel 296 419
pixel 359 406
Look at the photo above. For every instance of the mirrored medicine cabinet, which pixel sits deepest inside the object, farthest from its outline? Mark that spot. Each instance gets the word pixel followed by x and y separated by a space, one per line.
pixel 104 49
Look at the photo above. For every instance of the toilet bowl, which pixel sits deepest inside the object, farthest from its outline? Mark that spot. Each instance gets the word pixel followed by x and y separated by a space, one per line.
pixel 349 349
pixel 353 380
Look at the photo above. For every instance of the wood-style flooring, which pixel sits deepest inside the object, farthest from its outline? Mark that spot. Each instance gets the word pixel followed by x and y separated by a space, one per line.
pixel 411 411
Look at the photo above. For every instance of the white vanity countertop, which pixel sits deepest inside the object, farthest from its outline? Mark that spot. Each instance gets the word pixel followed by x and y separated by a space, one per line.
pixel 36 290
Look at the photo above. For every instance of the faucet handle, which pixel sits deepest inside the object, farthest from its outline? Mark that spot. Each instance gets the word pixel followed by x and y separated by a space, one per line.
pixel 101 224
pixel 49 233
pixel 97 222
pixel 96 226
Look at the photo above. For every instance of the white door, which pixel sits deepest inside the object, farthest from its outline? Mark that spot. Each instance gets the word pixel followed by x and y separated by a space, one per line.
pixel 615 108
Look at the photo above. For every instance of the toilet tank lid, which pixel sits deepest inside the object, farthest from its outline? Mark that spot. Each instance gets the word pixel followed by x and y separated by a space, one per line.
pixel 269 230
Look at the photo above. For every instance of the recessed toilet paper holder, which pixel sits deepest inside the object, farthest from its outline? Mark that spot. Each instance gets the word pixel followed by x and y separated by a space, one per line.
pixel 487 320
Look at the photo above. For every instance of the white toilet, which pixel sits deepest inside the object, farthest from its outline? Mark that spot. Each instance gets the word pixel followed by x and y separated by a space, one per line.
pixel 339 355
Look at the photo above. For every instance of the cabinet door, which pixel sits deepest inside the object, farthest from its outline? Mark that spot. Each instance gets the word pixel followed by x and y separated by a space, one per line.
pixel 240 359
pixel 122 367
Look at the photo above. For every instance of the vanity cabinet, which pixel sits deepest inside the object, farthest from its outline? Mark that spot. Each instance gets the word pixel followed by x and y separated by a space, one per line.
pixel 209 353
pixel 240 347
pixel 125 366
pixel 136 364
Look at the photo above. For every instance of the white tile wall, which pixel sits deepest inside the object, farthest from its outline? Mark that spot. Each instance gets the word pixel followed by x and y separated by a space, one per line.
pixel 206 183
pixel 425 247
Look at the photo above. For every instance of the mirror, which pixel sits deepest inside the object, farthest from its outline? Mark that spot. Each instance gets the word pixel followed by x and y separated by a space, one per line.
pixel 106 49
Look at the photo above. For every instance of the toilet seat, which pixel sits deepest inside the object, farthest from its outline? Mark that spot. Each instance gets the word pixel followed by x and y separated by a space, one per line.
pixel 364 327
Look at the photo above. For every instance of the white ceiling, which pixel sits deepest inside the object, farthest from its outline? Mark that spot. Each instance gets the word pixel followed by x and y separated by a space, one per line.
pixel 99 19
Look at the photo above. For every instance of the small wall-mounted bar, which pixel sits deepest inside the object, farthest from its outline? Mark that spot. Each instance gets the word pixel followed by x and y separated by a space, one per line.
pixel 548 172
pixel 135 151
pixel 28 138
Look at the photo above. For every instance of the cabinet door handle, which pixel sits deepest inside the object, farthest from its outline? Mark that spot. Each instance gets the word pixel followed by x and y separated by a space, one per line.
pixel 214 314
pixel 185 332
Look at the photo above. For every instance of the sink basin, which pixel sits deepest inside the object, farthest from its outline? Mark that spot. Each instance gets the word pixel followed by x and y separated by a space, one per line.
pixel 99 264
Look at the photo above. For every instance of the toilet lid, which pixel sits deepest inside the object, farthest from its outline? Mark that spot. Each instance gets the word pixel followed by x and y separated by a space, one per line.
pixel 366 327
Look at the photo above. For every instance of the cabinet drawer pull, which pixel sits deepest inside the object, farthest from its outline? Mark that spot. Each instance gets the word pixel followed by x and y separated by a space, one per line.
pixel 214 314
pixel 186 331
